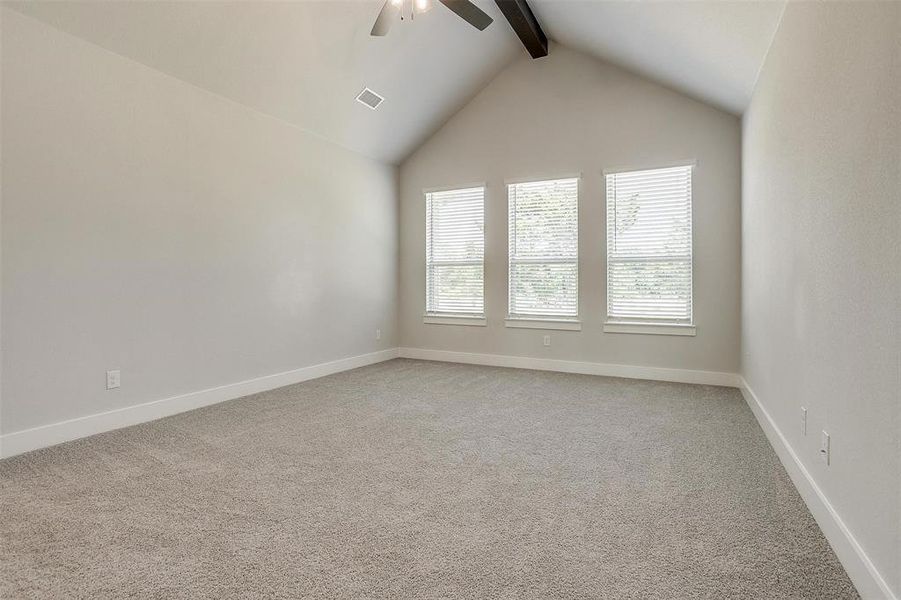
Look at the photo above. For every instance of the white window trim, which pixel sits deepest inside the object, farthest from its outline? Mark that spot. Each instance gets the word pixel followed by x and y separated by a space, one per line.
pixel 536 321
pixel 539 323
pixel 475 319
pixel 685 329
pixel 540 178
pixel 468 320
pixel 450 188
pixel 667 165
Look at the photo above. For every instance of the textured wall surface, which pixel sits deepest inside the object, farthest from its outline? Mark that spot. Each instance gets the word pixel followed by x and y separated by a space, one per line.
pixel 153 227
pixel 821 258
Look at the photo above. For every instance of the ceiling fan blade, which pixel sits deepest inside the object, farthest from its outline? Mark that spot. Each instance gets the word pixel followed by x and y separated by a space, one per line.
pixel 469 12
pixel 386 17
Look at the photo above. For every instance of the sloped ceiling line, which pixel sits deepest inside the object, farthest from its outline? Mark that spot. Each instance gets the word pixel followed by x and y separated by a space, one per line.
pixel 305 62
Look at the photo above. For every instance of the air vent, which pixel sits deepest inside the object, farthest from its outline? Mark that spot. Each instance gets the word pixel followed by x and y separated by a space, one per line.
pixel 369 98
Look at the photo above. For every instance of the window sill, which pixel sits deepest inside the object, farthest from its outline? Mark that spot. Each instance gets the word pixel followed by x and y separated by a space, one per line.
pixel 472 321
pixel 650 328
pixel 558 324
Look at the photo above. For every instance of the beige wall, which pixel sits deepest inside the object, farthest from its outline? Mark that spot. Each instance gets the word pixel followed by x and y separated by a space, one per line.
pixel 565 114
pixel 821 259
pixel 189 241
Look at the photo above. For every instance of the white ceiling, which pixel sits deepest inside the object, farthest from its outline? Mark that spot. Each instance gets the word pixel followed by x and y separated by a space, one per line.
pixel 709 49
pixel 305 61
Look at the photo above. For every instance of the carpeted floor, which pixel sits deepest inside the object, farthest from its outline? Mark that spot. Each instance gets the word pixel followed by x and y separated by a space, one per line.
pixel 412 479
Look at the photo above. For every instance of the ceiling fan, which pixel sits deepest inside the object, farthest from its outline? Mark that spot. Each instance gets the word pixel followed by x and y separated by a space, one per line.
pixel 393 9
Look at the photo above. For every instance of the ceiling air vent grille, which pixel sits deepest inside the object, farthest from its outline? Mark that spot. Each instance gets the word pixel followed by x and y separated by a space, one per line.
pixel 369 98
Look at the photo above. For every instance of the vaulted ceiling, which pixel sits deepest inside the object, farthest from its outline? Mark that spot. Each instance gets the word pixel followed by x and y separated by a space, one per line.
pixel 711 49
pixel 304 62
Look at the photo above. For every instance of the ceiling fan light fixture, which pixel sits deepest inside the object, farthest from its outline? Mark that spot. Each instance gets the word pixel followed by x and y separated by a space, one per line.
pixel 392 9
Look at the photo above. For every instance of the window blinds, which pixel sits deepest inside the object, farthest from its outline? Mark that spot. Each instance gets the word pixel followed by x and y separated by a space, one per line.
pixel 544 248
pixel 455 251
pixel 649 246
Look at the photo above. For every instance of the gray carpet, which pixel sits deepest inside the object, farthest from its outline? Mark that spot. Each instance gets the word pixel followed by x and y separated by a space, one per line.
pixel 412 479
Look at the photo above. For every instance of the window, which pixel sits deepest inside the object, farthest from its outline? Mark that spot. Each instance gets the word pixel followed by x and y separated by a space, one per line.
pixel 455 251
pixel 649 249
pixel 544 250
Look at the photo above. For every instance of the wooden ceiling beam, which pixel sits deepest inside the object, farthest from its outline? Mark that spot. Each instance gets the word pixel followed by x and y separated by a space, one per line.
pixel 526 26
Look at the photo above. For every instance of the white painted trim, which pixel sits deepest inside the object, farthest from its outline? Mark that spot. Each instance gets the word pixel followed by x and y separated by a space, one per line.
pixel 651 167
pixel 540 178
pixel 569 366
pixel 18 442
pixel 557 324
pixel 450 188
pixel 869 582
pixel 454 320
pixel 650 328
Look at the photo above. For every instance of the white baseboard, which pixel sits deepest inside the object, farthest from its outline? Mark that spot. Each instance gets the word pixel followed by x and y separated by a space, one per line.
pixel 569 366
pixel 18 442
pixel 861 570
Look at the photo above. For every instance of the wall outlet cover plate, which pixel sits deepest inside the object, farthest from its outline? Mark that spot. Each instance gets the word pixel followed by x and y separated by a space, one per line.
pixel 113 379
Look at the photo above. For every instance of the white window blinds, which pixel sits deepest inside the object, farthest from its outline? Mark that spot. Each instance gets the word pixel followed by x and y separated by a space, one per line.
pixel 649 246
pixel 544 248
pixel 455 251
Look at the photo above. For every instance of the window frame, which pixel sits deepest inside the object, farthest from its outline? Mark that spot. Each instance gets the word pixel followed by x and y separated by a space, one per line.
pixel 543 321
pixel 434 317
pixel 651 326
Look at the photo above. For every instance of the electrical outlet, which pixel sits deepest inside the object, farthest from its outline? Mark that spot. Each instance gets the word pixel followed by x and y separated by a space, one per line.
pixel 378 334
pixel 547 340
pixel 113 379
pixel 826 449
pixel 803 421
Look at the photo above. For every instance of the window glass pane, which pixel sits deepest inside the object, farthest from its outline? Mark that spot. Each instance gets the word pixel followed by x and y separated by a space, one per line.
pixel 649 268
pixel 456 288
pixel 543 289
pixel 455 249
pixel 544 248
